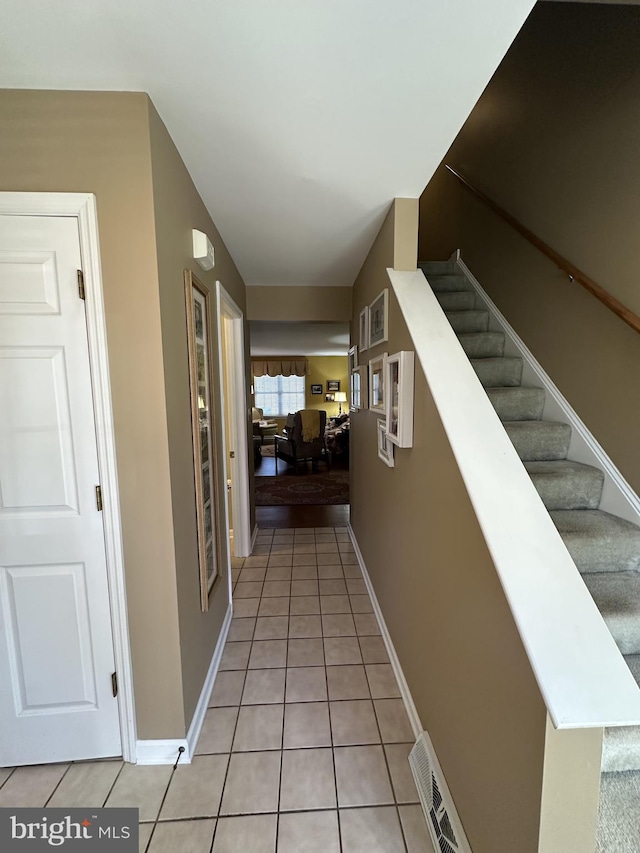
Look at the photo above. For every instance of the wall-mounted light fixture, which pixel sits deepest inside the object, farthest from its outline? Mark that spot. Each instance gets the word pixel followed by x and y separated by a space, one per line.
pixel 340 397
pixel 203 250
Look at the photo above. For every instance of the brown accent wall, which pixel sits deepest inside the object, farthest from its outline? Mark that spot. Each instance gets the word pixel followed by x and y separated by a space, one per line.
pixel 319 304
pixel 441 598
pixel 554 139
pixel 178 209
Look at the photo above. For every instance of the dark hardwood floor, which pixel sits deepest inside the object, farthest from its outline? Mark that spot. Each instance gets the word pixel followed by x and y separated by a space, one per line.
pixel 301 515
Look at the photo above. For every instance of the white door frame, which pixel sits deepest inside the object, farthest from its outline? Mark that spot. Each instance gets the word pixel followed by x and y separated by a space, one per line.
pixel 237 409
pixel 83 207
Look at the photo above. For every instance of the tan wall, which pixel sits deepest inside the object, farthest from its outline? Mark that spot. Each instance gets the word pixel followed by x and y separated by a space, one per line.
pixel 443 604
pixel 179 209
pixel 554 139
pixel 322 304
pixel 98 142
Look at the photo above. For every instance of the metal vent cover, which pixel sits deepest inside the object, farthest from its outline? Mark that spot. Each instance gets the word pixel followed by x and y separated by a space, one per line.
pixel 440 813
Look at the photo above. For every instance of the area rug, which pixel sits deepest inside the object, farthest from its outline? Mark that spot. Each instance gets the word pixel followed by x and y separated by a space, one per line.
pixel 331 487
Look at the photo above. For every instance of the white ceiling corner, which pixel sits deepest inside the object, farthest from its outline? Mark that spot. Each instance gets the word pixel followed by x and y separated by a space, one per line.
pixel 299 121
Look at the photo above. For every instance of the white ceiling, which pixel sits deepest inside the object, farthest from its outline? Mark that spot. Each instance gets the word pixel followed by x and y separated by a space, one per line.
pixel 296 338
pixel 299 120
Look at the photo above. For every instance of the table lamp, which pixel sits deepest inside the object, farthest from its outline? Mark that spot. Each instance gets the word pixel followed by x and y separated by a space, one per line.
pixel 340 397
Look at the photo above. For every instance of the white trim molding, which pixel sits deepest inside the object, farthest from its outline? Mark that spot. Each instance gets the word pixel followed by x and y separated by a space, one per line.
pixel 205 694
pixel 407 698
pixel 83 207
pixel 163 751
pixel 232 362
pixel 167 751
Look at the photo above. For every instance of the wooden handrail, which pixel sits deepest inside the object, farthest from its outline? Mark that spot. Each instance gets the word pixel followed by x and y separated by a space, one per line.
pixel 572 271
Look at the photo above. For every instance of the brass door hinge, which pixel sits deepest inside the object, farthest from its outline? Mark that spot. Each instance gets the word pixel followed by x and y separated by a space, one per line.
pixel 232 454
pixel 80 284
pixel 99 498
pixel 114 684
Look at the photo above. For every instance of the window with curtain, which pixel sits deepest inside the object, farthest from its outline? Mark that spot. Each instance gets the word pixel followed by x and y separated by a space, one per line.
pixel 279 395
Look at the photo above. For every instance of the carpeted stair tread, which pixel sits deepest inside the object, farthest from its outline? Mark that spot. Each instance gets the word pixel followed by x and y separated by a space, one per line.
pixel 599 541
pixel 438 267
pixel 617 596
pixel 498 372
pixel 539 440
pixel 517 404
pixel 441 283
pixel 567 485
pixel 621 750
pixel 456 300
pixel 468 321
pixel 482 344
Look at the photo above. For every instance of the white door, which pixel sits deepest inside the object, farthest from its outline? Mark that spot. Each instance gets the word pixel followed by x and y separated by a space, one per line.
pixel 56 649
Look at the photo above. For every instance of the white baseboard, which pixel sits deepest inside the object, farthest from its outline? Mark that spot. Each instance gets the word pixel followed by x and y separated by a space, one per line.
pixel 166 751
pixel 162 751
pixel 409 704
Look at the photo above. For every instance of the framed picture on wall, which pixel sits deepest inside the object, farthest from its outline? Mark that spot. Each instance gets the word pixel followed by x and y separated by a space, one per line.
pixel 333 385
pixel 198 310
pixel 376 384
pixel 317 389
pixel 399 398
pixel 379 319
pixel 359 388
pixel 329 398
pixel 385 448
pixel 363 340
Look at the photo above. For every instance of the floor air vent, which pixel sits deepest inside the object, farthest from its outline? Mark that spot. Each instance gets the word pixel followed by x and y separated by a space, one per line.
pixel 442 819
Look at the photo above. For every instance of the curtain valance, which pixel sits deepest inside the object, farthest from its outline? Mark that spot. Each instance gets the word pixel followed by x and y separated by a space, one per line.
pixel 299 367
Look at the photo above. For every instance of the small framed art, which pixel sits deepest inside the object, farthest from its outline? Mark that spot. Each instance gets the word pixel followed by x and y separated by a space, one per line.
pixel 364 329
pixel 333 385
pixel 353 359
pixel 317 389
pixel 385 448
pixel 359 388
pixel 376 384
pixel 379 319
pixel 398 383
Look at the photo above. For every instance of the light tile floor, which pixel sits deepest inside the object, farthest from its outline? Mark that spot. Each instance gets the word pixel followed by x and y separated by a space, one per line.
pixel 305 743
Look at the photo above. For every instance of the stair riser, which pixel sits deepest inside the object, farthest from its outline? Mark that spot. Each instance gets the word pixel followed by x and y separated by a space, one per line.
pixel 521 404
pixel 442 283
pixel 438 268
pixel 498 372
pixel 482 344
pixel 569 492
pixel 456 300
pixel 548 442
pixel 468 321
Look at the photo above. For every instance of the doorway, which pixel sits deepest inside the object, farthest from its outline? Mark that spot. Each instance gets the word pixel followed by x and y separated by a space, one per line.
pixel 63 635
pixel 235 416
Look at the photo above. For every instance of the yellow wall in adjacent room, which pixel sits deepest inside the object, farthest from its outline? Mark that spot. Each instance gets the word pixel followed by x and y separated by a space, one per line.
pixel 322 368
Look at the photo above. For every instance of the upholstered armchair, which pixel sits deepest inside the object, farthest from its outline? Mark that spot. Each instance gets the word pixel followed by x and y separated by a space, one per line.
pixel 260 426
pixel 296 446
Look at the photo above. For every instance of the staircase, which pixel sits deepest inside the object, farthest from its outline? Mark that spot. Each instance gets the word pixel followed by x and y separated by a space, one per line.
pixel 604 547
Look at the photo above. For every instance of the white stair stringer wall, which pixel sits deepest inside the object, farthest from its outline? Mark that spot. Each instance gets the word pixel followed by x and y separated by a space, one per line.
pixel 618 497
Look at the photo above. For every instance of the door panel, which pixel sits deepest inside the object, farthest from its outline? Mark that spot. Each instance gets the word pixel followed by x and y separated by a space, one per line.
pixel 56 649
